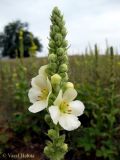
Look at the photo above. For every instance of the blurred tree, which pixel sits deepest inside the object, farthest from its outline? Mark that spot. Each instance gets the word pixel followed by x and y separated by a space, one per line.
pixel 10 42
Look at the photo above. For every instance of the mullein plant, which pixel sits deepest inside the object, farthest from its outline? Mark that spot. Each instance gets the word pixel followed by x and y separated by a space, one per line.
pixel 52 91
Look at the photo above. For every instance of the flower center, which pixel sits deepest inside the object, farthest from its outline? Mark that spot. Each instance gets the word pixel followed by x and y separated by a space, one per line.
pixel 65 107
pixel 44 94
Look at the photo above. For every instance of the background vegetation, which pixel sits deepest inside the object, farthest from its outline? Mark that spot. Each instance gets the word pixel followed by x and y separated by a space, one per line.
pixel 10 40
pixel 97 80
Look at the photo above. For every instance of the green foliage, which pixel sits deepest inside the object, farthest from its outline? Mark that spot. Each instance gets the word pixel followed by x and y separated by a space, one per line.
pixel 99 135
pixel 56 148
pixel 22 122
pixel 21 88
pixel 3 142
pixel 10 42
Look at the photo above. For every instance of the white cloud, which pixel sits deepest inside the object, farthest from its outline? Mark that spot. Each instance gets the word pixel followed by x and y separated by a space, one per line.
pixel 86 21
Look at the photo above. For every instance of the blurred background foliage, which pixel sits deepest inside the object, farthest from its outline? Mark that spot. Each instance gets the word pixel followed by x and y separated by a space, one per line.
pixel 10 40
pixel 97 80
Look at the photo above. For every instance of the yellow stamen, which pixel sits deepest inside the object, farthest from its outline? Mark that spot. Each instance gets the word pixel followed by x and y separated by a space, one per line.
pixel 44 94
pixel 65 107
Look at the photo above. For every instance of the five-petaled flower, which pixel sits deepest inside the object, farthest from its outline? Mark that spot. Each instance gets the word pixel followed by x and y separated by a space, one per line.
pixel 65 111
pixel 40 91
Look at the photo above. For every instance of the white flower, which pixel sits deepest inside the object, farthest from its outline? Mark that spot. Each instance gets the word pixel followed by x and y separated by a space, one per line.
pixel 42 70
pixel 65 110
pixel 39 93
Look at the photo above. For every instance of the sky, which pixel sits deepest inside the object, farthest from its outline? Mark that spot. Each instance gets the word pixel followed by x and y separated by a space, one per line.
pixel 87 21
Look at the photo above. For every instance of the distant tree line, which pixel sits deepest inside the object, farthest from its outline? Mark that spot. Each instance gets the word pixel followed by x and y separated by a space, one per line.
pixel 10 40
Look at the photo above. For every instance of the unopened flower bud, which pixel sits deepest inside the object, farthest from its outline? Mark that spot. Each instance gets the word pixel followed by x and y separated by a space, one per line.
pixel 56 11
pixel 60 51
pixel 52 133
pixel 46 150
pixel 56 28
pixel 63 68
pixel 51 44
pixel 65 59
pixel 56 79
pixel 52 57
pixel 58 43
pixel 64 76
pixel 52 66
pixel 65 43
pixel 65 147
pixel 64 32
pixel 69 85
pixel 47 118
pixel 58 37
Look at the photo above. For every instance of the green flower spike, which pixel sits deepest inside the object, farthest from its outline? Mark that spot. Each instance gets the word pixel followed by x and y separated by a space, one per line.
pixel 58 60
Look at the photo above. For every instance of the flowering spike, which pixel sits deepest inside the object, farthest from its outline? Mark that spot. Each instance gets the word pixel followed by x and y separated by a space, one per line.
pixel 52 91
pixel 57 57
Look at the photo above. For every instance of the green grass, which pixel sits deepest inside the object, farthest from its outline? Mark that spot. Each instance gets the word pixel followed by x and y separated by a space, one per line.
pixel 97 80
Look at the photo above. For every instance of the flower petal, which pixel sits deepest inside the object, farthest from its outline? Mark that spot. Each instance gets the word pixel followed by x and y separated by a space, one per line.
pixel 58 99
pixel 42 70
pixel 77 107
pixel 70 94
pixel 39 81
pixel 33 94
pixel 54 113
pixel 49 85
pixel 38 106
pixel 69 122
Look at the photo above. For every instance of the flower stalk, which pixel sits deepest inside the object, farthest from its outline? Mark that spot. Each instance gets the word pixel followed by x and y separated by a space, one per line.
pixel 52 91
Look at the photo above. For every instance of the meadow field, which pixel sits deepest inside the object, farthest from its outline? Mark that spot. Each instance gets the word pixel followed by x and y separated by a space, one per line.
pixel 97 80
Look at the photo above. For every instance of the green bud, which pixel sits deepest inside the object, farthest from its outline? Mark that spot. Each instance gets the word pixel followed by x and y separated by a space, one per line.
pixel 56 28
pixel 58 37
pixel 65 43
pixel 58 20
pixel 58 43
pixel 65 147
pixel 63 68
pixel 52 34
pixel 65 59
pixel 60 51
pixel 47 119
pixel 51 44
pixel 64 76
pixel 52 57
pixel 52 134
pixel 55 17
pixel 56 11
pixel 52 66
pixel 60 23
pixel 56 79
pixel 49 71
pixel 46 150
pixel 64 32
